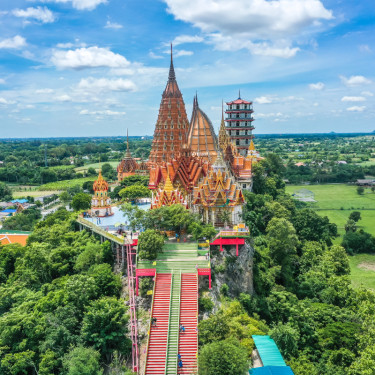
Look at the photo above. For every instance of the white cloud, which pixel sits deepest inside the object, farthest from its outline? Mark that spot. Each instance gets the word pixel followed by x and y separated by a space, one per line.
pixel 5 101
pixel 107 113
pixel 367 93
pixel 40 14
pixel 113 25
pixel 263 100
pixel 155 56
pixel 13 43
pixel 91 57
pixel 79 4
pixel 183 39
pixel 316 86
pixel 104 84
pixel 182 52
pixel 238 24
pixel 355 80
pixel 64 98
pixel 356 108
pixel 44 91
pixel 365 48
pixel 353 99
pixel 2 81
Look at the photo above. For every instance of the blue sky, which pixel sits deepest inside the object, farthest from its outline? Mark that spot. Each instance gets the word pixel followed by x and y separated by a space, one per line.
pixel 97 67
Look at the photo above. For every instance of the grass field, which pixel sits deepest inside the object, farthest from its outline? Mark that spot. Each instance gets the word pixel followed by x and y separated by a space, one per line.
pixel 95 166
pixel 33 193
pixel 362 269
pixel 337 201
pixel 64 185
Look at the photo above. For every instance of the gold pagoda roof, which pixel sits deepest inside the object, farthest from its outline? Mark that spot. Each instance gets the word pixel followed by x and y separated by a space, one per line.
pixel 202 139
pixel 100 184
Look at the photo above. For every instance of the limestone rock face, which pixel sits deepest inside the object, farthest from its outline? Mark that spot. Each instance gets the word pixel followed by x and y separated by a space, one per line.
pixel 236 272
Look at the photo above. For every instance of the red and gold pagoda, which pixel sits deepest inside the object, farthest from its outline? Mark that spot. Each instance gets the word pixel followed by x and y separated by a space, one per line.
pixel 167 195
pixel 101 202
pixel 127 166
pixel 172 124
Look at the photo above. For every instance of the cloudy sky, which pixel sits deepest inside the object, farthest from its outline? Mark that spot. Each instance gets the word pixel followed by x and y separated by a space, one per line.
pixel 97 67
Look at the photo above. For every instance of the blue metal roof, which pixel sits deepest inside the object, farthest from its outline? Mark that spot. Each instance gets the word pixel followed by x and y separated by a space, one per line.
pixel 19 201
pixel 9 210
pixel 268 351
pixel 271 370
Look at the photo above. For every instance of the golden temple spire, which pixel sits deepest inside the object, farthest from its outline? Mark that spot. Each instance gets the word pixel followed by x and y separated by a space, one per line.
pixel 251 147
pixel 168 187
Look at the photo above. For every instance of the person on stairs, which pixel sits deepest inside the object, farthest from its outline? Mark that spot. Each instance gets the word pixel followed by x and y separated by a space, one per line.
pixel 153 322
pixel 180 364
pixel 182 328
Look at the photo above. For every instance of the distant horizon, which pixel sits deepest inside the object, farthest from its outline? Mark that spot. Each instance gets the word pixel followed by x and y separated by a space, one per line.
pixel 150 137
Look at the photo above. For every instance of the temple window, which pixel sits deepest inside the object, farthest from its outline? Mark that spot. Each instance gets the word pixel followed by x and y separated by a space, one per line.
pixel 165 137
pixel 237 123
pixel 237 142
pixel 237 132
pixel 237 106
pixel 171 137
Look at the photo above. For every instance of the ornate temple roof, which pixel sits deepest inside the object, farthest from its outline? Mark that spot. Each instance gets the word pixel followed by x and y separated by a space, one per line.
pixel 239 100
pixel 202 139
pixel 127 165
pixel 172 124
pixel 168 195
pixel 218 188
pixel 185 170
pixel 242 165
pixel 100 184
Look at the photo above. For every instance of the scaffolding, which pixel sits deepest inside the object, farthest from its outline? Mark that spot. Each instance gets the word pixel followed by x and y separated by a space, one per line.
pixel 132 306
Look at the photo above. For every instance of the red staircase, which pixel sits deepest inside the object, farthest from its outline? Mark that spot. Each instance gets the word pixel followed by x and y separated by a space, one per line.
pixel 188 340
pixel 157 343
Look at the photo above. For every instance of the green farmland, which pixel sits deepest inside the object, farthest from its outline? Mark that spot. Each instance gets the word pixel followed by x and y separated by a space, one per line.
pixel 362 270
pixel 337 201
pixel 96 166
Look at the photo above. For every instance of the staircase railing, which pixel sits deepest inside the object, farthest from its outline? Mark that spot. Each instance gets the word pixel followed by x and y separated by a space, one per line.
pixel 169 323
pixel 179 315
pixel 149 324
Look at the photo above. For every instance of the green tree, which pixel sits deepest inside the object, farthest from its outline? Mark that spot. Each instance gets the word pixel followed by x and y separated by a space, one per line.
pixel 286 338
pixel 360 190
pixel 135 180
pixel 82 361
pixel 81 201
pixel 282 242
pixel 104 327
pixel 351 226
pixel 5 192
pixel 224 357
pixel 134 192
pixel 108 171
pixel 355 215
pixel 150 243
pixel 65 197
pixel 92 254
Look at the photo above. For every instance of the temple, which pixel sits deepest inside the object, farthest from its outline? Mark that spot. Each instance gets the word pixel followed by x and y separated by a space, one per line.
pixel 190 165
pixel 218 199
pixel 202 139
pixel 172 124
pixel 100 202
pixel 127 166
pixel 167 195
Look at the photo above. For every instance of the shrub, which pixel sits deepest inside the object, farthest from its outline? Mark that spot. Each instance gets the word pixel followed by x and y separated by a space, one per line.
pixel 205 304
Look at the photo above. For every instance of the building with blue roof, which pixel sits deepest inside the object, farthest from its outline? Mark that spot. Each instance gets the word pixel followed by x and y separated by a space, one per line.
pixel 270 358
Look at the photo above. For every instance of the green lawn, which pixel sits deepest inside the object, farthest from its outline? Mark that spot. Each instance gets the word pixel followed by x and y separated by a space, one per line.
pixel 65 184
pixel 95 166
pixel 362 269
pixel 337 201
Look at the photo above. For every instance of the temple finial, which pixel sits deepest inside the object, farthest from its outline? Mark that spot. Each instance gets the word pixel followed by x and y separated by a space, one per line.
pixel 172 75
pixel 222 110
pixel 239 94
pixel 127 139
pixel 196 98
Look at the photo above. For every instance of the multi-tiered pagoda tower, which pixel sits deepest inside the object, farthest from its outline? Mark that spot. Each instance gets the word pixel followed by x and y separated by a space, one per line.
pixel 239 123
pixel 101 202
pixel 172 125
